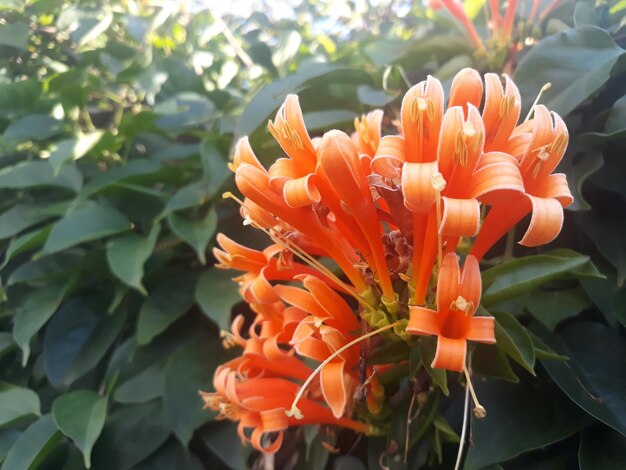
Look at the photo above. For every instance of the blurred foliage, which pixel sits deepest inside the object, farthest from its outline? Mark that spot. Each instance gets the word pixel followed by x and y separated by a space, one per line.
pixel 116 123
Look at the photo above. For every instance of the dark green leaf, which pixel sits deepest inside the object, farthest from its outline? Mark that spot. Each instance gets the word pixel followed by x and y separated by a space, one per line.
pixel 32 447
pixel 216 294
pixel 80 416
pixel 6 342
pixel 16 403
pixel 588 378
pixel 520 417
pixel 89 222
pixel 511 337
pixel 127 255
pixel 601 447
pixel 490 362
pixel 37 309
pixel 77 338
pixel 577 62
pixel 28 241
pixel 196 233
pixel 551 307
pixel 512 278
pixel 167 302
pixel 146 385
pixel 189 370
pixel 220 438
pixel 347 462
pixel 427 347
pixel 7 439
pixel 131 433
pixel 173 456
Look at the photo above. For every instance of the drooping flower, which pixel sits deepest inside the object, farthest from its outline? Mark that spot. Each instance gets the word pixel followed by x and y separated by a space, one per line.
pixel 453 322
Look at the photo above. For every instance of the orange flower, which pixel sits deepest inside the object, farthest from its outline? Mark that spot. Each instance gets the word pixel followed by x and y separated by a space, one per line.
pixel 356 225
pixel 458 296
pixel 545 194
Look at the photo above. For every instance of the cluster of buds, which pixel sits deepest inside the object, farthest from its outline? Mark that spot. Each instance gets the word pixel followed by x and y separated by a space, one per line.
pixel 365 237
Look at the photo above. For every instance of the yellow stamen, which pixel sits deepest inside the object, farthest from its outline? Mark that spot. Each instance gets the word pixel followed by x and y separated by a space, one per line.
pixel 294 411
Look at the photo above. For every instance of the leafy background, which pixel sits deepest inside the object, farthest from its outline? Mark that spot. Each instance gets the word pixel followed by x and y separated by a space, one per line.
pixel 116 123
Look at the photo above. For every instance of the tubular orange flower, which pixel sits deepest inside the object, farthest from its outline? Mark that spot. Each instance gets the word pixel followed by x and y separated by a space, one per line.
pixel 458 296
pixel 355 226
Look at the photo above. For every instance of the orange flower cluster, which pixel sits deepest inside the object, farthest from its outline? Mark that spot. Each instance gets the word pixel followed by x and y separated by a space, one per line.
pixel 364 233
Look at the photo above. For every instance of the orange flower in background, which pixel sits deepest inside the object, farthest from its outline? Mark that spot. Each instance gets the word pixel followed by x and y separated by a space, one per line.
pixel 454 323
pixel 359 228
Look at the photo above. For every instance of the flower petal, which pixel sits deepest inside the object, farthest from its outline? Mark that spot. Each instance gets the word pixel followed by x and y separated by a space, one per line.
pixel 419 193
pixel 448 282
pixel 389 157
pixel 461 217
pixel 423 321
pixel 553 186
pixel 545 223
pixel 450 354
pixel 334 387
pixel 481 329
pixel 495 178
pixel 471 282
pixel 301 192
pixel 467 87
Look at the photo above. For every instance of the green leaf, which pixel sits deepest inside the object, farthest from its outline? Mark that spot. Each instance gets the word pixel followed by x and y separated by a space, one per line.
pixel 173 456
pixel 146 385
pixel 220 437
pixel 601 447
pixel 552 307
pixel 216 294
pixel 14 35
pixel 214 165
pixel 6 342
pixel 39 173
pixel 427 348
pixel 28 241
pixel 32 447
pixel 511 338
pixel 577 62
pixel 37 309
pixel 135 169
pixel 490 362
pixel 192 195
pixel 80 416
pixel 584 14
pixel 186 109
pixel 16 403
pixel 20 217
pixel 127 255
pixel 130 434
pixel 73 149
pixel 271 96
pixel 33 127
pixel 7 439
pixel 19 95
pixel 588 378
pixel 512 278
pixel 348 462
pixel 77 338
pixel 189 370
pixel 520 417
pixel 87 223
pixel 373 97
pixel 197 233
pixel 168 301
pixel 579 169
pixel 607 231
pixel 46 269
